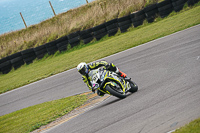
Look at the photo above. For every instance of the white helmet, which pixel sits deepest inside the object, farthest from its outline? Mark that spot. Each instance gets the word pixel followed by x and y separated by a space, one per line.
pixel 83 68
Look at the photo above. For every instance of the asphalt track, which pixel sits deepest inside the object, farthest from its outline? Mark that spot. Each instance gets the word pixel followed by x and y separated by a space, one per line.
pixel 167 71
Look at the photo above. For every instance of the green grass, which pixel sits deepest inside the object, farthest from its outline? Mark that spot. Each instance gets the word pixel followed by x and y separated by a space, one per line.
pixel 31 118
pixel 192 127
pixel 90 52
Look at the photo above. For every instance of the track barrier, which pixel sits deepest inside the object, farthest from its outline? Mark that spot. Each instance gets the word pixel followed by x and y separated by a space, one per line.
pixel 110 28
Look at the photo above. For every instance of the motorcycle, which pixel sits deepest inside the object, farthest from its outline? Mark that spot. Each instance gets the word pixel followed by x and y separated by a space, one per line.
pixel 111 83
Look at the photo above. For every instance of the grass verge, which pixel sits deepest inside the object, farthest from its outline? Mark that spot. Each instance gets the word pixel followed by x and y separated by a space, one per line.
pixel 31 118
pixel 192 127
pixel 93 51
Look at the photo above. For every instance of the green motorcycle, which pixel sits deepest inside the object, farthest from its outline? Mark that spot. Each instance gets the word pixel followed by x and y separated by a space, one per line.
pixel 111 83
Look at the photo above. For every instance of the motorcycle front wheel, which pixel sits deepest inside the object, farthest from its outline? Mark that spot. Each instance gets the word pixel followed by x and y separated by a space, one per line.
pixel 134 87
pixel 114 91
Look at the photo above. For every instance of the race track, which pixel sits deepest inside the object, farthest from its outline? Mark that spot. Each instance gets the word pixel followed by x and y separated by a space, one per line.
pixel 167 72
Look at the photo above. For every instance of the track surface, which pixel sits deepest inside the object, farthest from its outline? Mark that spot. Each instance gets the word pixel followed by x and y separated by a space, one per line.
pixel 167 72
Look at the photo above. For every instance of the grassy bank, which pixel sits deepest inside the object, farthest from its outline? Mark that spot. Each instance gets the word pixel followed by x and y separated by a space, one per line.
pixel 31 118
pixel 81 18
pixel 192 127
pixel 93 51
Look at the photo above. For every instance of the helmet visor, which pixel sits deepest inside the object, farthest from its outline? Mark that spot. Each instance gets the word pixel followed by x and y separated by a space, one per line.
pixel 83 71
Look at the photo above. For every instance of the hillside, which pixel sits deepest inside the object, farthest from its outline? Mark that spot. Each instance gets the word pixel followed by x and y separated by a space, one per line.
pixel 60 62
pixel 81 18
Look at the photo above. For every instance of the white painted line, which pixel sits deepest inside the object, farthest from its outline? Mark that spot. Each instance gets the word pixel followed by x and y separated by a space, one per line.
pixel 35 82
pixel 171 131
pixel 150 42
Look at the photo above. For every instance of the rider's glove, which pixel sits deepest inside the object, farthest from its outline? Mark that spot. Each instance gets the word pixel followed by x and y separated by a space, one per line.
pixel 108 66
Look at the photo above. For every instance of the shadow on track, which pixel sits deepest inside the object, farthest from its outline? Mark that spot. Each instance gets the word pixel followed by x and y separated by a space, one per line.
pixel 113 101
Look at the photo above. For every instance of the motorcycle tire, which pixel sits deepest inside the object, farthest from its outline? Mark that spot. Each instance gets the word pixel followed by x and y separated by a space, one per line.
pixel 114 92
pixel 134 87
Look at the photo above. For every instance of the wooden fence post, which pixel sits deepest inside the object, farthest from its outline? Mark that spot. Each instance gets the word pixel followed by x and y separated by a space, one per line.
pixel 23 20
pixel 52 8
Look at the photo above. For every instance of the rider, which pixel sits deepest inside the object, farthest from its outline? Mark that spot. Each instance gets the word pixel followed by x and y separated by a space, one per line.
pixel 84 69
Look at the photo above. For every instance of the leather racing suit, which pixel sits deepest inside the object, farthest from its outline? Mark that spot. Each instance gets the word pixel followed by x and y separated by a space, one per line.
pixel 108 66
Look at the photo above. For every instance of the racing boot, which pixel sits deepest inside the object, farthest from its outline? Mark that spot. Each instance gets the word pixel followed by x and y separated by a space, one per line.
pixel 122 74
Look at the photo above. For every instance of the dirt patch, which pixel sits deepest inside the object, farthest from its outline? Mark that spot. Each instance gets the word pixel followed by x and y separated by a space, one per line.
pixel 93 100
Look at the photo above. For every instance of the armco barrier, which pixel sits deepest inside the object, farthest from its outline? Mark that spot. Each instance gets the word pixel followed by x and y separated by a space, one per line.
pixel 111 27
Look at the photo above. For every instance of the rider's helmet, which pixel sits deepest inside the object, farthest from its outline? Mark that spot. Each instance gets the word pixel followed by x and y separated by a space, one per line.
pixel 83 68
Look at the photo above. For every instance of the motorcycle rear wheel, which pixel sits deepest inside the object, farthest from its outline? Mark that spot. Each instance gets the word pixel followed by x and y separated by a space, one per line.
pixel 114 92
